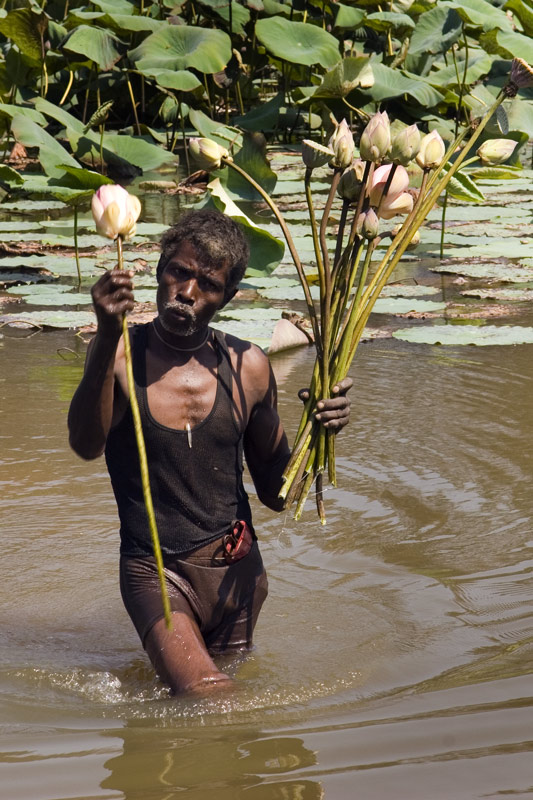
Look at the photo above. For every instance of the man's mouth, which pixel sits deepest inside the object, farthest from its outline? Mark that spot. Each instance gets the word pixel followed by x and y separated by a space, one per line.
pixel 181 313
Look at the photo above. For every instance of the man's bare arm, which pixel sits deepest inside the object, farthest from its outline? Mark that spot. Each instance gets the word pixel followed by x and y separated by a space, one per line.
pixel 95 402
pixel 265 443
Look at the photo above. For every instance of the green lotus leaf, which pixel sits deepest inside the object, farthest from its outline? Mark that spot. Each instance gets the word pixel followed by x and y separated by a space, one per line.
pixel 384 21
pixel 178 47
pixel 462 187
pixel 466 334
pixel 95 44
pixel 10 110
pixel 115 6
pixel 52 155
pixel 272 7
pixel 506 273
pixel 508 44
pixel 250 313
pixel 524 14
pixel 39 289
pixel 263 117
pixel 80 178
pixel 289 292
pixel 57 298
pixel 436 30
pixel 221 134
pixel 389 83
pixel 252 159
pixel 520 117
pixel 24 27
pixel 71 197
pixel 481 14
pixel 505 295
pixel 58 113
pixel 500 173
pixel 52 319
pixel 298 42
pixel 18 226
pixel 181 80
pixel 403 305
pixel 266 251
pixel 10 175
pixel 346 76
pixel 121 148
pixel 348 16
pixel 240 16
pixel 479 65
pixel 258 332
pixel 408 290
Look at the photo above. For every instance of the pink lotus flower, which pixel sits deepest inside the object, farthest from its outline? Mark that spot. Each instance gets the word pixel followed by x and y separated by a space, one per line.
pixel 397 200
pixel 115 211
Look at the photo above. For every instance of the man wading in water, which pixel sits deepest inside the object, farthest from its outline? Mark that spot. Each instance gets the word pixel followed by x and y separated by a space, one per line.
pixel 204 397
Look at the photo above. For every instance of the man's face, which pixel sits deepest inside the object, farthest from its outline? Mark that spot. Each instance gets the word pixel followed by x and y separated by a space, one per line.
pixel 189 294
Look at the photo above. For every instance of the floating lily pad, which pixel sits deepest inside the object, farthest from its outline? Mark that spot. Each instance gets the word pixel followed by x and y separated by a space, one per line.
pixel 259 332
pixel 144 295
pixel 39 289
pixel 408 290
pixel 513 295
pixel 267 283
pixel 403 305
pixel 18 226
pixel 58 299
pixel 289 293
pixel 506 273
pixel 52 319
pixel 29 206
pixel 466 334
pixel 250 313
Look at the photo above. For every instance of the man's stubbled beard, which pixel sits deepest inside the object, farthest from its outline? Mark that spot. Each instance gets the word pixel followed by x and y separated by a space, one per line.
pixel 187 313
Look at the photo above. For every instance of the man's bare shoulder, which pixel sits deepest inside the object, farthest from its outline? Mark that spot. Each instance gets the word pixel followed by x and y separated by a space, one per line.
pixel 249 362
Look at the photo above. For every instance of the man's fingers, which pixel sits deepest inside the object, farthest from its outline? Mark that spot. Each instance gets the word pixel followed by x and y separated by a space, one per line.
pixel 343 386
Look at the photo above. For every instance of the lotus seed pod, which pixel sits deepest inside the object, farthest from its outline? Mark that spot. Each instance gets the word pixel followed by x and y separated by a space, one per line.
pixel 495 151
pixel 115 211
pixel 207 153
pixel 432 150
pixel 315 154
pixel 405 146
pixel 376 138
pixel 342 144
pixel 521 74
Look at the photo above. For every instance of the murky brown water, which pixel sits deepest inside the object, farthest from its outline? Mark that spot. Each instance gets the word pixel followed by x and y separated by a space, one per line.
pixel 395 652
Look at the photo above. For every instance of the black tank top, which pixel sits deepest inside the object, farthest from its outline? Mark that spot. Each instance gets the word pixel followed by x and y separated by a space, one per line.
pixel 197 491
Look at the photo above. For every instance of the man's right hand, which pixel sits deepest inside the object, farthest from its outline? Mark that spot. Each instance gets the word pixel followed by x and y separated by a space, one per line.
pixel 112 296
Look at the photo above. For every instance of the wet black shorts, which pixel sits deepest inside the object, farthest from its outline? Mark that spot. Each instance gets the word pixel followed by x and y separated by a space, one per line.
pixel 224 600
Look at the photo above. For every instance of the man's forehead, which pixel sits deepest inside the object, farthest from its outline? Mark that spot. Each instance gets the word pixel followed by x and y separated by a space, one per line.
pixel 186 254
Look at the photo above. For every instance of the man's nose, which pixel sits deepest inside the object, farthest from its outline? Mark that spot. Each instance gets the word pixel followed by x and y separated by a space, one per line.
pixel 186 291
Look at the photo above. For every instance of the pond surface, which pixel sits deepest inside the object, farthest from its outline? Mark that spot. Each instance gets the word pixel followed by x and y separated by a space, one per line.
pixel 394 655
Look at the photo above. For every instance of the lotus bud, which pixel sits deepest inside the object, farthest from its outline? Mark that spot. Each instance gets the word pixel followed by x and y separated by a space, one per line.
pixel 402 204
pixel 351 181
pixel 207 153
pixel 342 144
pixel 405 146
pixel 376 138
pixel 380 177
pixel 432 150
pixel 115 211
pixel 315 154
pixel 368 224
pixel 495 151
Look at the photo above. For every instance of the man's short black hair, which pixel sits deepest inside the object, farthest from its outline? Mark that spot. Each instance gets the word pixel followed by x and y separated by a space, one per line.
pixel 216 238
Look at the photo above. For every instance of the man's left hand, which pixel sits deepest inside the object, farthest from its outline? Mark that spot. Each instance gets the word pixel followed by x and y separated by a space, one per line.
pixel 333 413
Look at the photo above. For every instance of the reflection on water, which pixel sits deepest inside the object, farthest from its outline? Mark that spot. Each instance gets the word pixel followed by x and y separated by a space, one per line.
pixel 393 656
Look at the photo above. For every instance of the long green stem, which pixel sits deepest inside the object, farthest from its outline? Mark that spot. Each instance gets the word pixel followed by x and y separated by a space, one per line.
pixel 143 461
pixel 290 244
pixel 76 248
